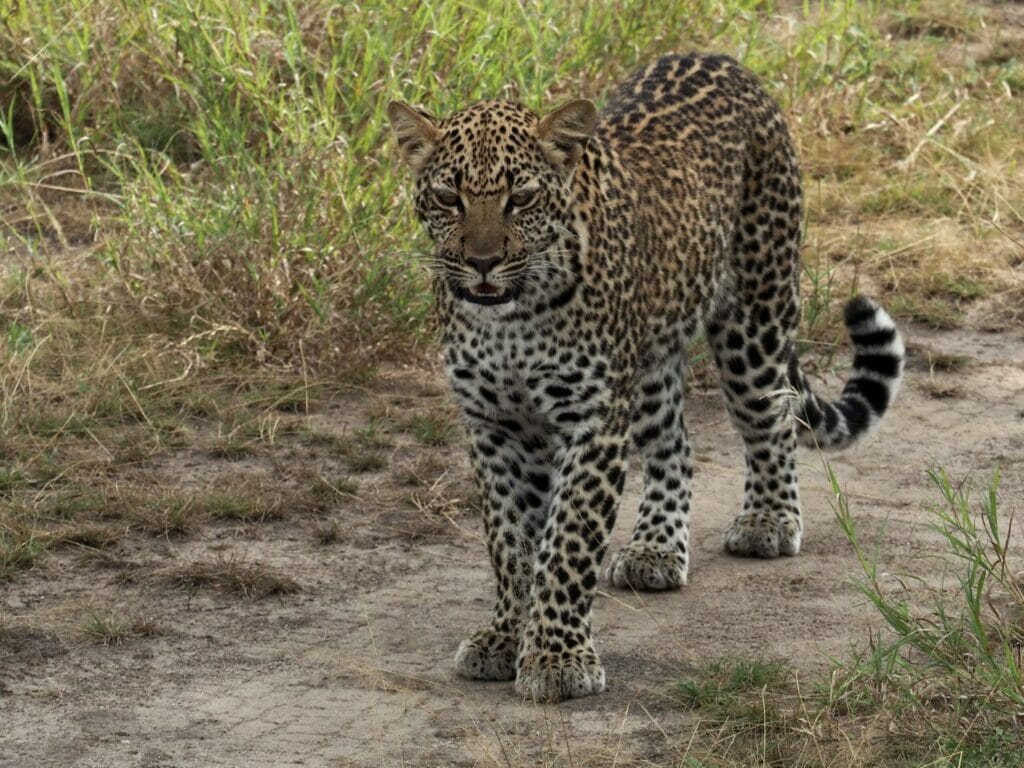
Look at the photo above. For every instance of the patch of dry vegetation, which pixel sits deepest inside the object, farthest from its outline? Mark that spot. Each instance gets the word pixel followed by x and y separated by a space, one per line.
pixel 251 580
pixel 116 628
pixel 912 163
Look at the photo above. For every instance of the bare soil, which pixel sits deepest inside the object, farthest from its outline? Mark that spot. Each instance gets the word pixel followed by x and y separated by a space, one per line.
pixel 355 669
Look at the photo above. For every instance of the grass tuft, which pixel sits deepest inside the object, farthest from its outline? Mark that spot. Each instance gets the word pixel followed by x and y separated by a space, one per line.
pixel 90 536
pixel 108 628
pixel 19 547
pixel 11 479
pixel 327 532
pixel 722 684
pixel 240 505
pixel 167 516
pixel 249 580
pixel 436 429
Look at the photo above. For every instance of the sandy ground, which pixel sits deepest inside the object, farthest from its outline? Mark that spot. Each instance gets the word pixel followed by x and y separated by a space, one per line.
pixel 356 668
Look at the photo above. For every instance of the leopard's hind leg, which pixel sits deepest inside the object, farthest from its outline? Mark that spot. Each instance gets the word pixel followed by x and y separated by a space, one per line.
pixel 752 335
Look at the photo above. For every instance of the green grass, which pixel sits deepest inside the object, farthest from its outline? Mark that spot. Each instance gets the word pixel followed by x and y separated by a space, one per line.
pixel 167 515
pixel 963 642
pixel 10 480
pixel 208 189
pixel 205 193
pixel 114 628
pixel 721 685
pixel 434 429
pixel 948 676
pixel 942 685
pixel 238 506
pixel 374 434
pixel 19 547
pixel 243 198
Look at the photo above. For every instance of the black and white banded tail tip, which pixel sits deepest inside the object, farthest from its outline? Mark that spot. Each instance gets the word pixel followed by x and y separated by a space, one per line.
pixel 867 394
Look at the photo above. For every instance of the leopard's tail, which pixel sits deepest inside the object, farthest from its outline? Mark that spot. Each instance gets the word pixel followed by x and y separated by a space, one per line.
pixel 867 394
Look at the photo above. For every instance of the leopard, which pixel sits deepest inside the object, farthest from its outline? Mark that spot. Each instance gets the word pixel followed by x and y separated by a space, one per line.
pixel 577 258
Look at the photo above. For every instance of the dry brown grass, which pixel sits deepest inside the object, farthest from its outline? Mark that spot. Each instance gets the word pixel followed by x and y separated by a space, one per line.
pixel 251 580
pixel 107 627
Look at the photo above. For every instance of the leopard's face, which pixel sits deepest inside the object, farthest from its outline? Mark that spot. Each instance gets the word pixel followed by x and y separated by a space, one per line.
pixel 495 200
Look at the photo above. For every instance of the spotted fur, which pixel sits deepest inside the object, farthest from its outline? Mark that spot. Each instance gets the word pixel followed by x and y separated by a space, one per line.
pixel 576 257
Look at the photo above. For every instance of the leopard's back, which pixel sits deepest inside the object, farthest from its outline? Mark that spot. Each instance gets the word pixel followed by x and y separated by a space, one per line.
pixel 716 183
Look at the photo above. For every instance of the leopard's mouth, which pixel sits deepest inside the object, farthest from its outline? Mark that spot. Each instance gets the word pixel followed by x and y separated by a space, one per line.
pixel 486 294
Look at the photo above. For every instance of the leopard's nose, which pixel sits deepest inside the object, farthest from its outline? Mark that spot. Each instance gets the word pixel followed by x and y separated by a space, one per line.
pixel 483 264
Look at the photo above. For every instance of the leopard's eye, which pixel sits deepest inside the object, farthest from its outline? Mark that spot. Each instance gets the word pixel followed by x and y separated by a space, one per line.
pixel 447 197
pixel 522 198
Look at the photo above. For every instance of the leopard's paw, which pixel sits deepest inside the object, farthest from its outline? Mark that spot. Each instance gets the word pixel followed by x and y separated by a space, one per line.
pixel 646 568
pixel 759 534
pixel 549 676
pixel 487 655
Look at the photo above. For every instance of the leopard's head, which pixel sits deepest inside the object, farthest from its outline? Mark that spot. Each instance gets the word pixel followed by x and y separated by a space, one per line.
pixel 493 188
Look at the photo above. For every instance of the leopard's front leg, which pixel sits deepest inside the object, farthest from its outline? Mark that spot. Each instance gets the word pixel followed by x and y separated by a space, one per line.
pixel 557 659
pixel 513 473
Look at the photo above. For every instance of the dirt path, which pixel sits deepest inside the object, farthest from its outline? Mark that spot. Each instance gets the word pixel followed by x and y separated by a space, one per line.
pixel 356 669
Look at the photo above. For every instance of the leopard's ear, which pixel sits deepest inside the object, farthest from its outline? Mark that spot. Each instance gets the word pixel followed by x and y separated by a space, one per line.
pixel 565 132
pixel 416 134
